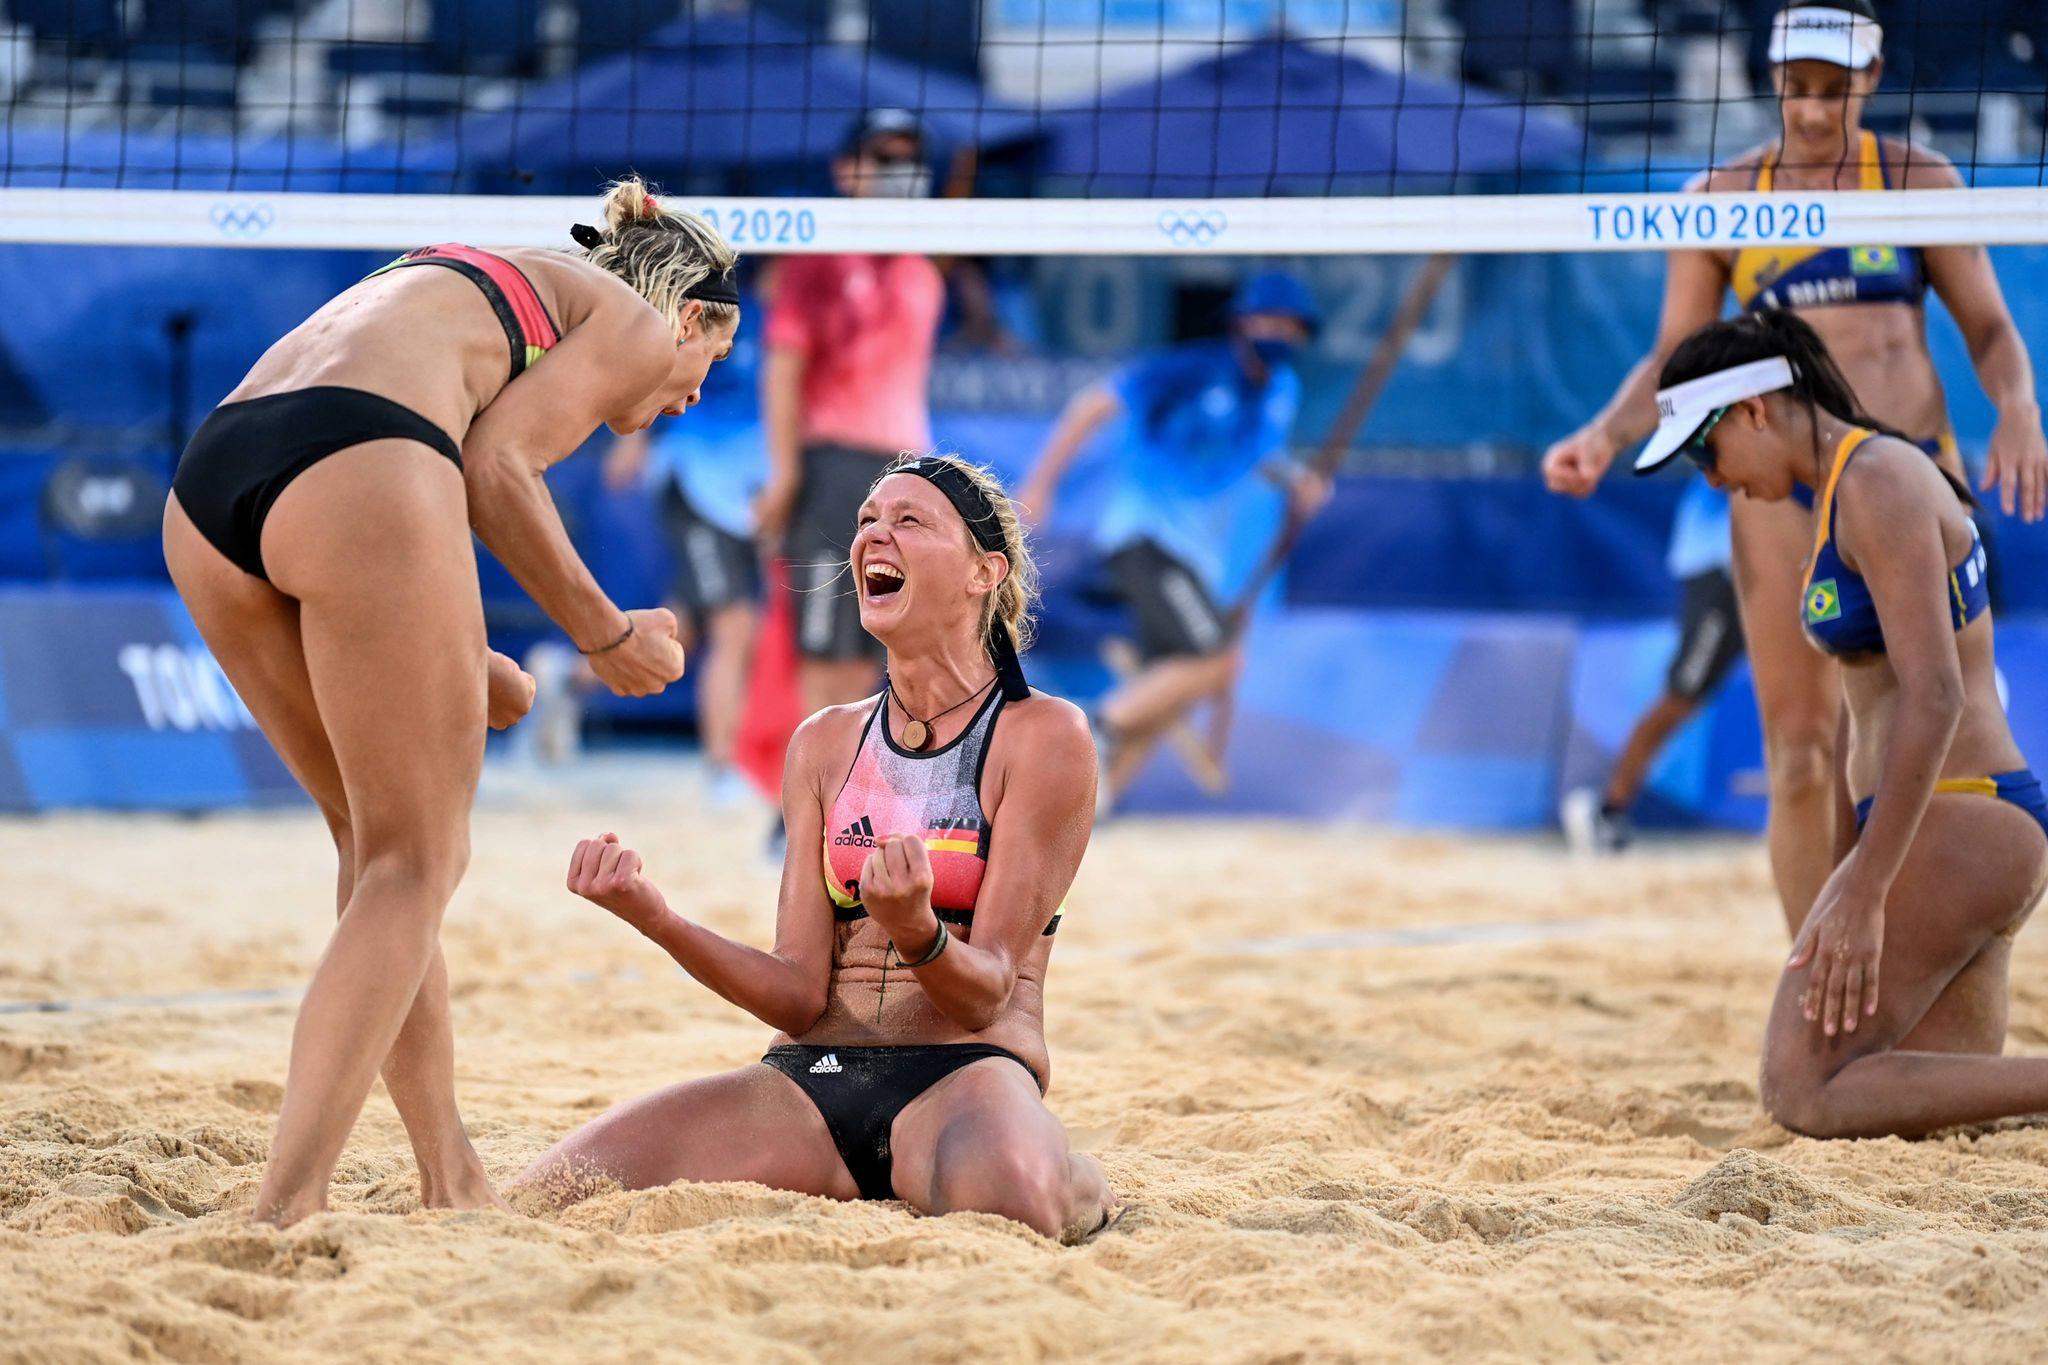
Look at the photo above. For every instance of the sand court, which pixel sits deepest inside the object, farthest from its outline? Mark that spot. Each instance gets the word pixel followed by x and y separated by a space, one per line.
pixel 1368 1095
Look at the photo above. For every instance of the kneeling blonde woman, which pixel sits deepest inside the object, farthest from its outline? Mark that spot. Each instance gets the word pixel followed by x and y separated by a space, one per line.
pixel 933 833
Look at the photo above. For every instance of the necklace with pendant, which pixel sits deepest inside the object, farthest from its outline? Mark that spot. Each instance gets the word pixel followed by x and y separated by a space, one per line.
pixel 918 733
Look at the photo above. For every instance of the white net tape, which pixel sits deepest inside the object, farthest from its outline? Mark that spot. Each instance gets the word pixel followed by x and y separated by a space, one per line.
pixel 1093 227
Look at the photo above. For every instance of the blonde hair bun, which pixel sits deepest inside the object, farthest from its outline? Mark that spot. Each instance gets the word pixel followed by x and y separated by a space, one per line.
pixel 663 253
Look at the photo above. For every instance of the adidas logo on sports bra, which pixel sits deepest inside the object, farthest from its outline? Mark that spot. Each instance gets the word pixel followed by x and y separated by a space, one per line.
pixel 859 834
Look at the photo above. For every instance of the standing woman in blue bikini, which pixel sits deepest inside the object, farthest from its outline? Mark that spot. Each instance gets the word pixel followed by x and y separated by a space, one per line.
pixel 1868 304
pixel 319 531
pixel 1890 1015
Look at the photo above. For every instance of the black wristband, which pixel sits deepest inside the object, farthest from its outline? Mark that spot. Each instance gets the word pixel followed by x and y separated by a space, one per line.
pixel 606 649
pixel 938 946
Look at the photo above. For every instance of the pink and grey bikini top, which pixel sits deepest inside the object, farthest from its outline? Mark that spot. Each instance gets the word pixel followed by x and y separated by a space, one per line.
pixel 934 795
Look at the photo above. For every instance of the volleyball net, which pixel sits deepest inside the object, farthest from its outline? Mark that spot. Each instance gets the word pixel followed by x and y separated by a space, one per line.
pixel 1474 193
pixel 1235 127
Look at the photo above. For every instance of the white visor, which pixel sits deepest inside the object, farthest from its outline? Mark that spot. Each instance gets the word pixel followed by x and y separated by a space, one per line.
pixel 1838 36
pixel 1684 408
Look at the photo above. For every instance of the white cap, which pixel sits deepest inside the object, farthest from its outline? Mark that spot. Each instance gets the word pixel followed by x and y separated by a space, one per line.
pixel 1816 34
pixel 1684 408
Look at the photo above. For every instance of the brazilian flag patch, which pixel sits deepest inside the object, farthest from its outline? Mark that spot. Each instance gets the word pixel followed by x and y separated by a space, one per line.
pixel 1874 260
pixel 1823 603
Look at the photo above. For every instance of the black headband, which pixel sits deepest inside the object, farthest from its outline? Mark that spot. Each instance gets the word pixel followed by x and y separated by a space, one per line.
pixel 721 287
pixel 974 507
pixel 964 493
pixel 718 288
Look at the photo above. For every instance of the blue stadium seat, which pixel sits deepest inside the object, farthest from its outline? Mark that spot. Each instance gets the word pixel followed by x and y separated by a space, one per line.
pixel 943 35
pixel 186 52
pixel 606 27
pixel 91 22
pixel 1757 15
pixel 1518 46
pixel 810 16
pixel 218 24
pixel 1956 44
pixel 1631 99
pixel 1944 56
pixel 382 59
pixel 487 37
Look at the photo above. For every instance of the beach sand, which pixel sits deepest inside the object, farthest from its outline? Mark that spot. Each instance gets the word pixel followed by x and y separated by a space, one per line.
pixel 1369 1096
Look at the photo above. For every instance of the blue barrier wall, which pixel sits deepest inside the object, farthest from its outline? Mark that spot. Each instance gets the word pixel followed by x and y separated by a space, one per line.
pixel 1442 719
pixel 1475 721
pixel 109 698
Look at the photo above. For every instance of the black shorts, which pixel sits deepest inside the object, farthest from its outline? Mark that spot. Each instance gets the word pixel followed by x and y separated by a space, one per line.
pixel 245 454
pixel 859 1091
pixel 1709 636
pixel 836 480
pixel 715 569
pixel 1174 613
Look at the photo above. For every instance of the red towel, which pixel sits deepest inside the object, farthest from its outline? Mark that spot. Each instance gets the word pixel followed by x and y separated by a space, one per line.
pixel 774 704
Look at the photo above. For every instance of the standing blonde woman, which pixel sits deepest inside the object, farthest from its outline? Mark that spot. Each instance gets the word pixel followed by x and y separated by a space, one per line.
pixel 933 832
pixel 319 531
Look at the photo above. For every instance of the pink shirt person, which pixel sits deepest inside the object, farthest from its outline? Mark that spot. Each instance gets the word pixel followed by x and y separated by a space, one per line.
pixel 865 326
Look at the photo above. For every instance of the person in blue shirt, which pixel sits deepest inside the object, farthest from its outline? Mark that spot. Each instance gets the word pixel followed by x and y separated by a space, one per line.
pixel 707 475
pixel 1203 420
pixel 1596 820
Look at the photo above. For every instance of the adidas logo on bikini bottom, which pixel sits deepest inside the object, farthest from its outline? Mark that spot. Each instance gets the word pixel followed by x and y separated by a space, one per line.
pixel 827 1065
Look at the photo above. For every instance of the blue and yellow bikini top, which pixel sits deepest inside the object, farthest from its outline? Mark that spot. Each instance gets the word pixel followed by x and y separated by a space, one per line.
pixel 1836 608
pixel 1786 276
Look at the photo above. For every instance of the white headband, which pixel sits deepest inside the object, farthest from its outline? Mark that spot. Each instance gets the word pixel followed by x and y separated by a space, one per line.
pixel 1838 36
pixel 1684 408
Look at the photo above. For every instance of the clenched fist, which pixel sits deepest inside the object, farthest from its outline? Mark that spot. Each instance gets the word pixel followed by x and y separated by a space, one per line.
pixel 607 873
pixel 510 692
pixel 896 888
pixel 644 662
pixel 1575 464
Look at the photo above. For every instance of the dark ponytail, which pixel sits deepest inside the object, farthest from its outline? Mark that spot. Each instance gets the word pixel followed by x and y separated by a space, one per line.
pixel 1816 380
pixel 1815 376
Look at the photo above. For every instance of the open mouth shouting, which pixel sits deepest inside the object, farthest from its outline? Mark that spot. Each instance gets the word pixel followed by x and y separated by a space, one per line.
pixel 880 582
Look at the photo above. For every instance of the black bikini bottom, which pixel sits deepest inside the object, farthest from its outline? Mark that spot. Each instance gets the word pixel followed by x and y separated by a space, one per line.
pixel 245 454
pixel 859 1092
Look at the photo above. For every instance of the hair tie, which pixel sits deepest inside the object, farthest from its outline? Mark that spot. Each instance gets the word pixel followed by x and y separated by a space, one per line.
pixel 653 209
pixel 587 236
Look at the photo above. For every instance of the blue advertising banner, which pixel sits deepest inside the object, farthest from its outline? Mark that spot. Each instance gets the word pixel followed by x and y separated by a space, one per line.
pixel 1473 720
pixel 1464 720
pixel 110 699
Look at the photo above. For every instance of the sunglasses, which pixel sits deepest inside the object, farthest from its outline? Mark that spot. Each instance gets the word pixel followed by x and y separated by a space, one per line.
pixel 1697 450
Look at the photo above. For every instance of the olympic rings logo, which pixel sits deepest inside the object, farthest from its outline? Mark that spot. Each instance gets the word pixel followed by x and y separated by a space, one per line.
pixel 1197 228
pixel 242 219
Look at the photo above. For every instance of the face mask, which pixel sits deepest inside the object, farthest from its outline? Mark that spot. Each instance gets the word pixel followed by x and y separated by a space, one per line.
pixel 1274 351
pixel 904 180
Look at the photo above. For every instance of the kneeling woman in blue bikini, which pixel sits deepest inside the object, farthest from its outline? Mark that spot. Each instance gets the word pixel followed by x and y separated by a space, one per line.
pixel 1890 1015
pixel 907 976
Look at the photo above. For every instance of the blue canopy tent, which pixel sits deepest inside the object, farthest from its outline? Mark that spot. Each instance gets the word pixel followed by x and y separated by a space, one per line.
pixel 1279 117
pixel 711 96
